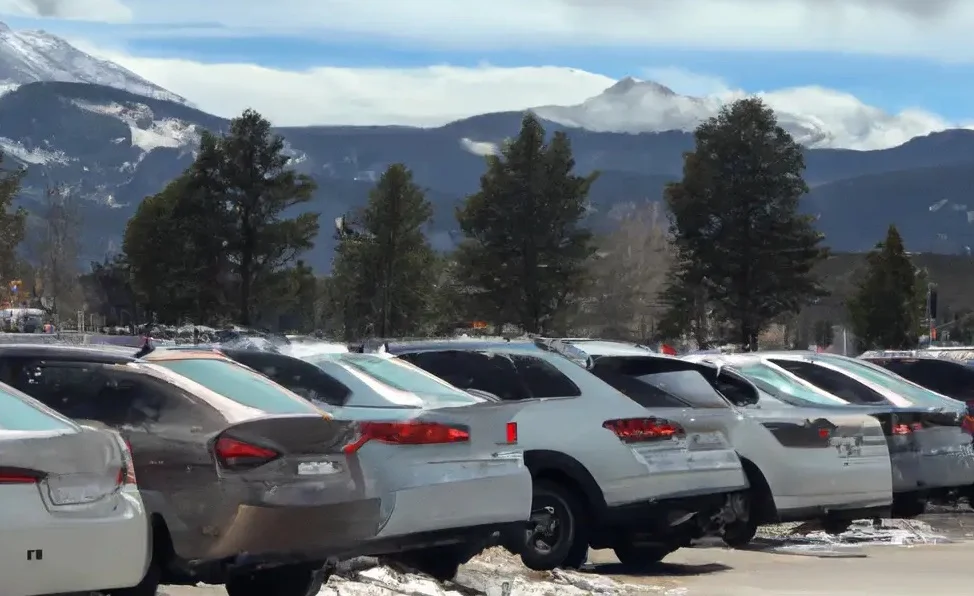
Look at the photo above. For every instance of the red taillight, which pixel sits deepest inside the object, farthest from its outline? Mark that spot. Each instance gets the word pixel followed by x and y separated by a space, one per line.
pixel 635 430
pixel 511 433
pixel 19 476
pixel 824 433
pixel 236 454
pixel 968 424
pixel 408 433
pixel 126 474
pixel 901 429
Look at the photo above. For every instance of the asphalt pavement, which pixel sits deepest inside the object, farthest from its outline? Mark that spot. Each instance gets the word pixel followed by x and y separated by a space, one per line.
pixel 919 559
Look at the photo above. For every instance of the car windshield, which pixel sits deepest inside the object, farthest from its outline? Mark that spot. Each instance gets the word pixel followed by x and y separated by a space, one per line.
pixel 893 382
pixel 22 413
pixel 240 384
pixel 401 375
pixel 783 386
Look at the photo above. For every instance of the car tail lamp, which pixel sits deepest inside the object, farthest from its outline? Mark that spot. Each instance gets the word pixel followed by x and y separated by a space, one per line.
pixel 967 423
pixel 409 433
pixel 20 476
pixel 238 455
pixel 126 474
pixel 639 430
pixel 905 429
pixel 511 433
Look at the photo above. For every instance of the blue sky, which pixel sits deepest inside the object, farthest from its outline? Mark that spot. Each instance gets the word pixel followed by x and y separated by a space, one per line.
pixel 890 54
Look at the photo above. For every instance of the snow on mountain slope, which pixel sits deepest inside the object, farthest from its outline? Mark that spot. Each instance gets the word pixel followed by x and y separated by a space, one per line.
pixel 32 56
pixel 147 132
pixel 816 117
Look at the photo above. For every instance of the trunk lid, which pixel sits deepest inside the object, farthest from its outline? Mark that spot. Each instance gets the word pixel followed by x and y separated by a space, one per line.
pixel 706 430
pixel 491 425
pixel 72 469
pixel 296 435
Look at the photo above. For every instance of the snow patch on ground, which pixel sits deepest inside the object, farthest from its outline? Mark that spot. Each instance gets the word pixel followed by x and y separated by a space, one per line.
pixel 493 573
pixel 481 148
pixel 295 156
pixel 147 133
pixel 33 156
pixel 808 539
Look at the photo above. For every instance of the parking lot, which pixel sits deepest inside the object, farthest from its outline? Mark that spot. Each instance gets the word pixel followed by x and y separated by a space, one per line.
pixel 902 558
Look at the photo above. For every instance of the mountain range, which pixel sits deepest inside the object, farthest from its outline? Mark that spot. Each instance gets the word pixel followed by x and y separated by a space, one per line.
pixel 113 137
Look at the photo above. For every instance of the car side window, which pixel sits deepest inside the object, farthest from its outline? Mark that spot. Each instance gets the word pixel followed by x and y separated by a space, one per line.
pixel 303 378
pixel 473 370
pixel 737 390
pixel 543 379
pixel 133 399
pixel 67 387
pixel 833 382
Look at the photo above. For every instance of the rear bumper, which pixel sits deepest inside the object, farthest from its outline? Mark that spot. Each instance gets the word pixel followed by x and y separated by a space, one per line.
pixel 676 475
pixel 74 554
pixel 291 534
pixel 664 514
pixel 472 538
pixel 483 501
pixel 918 471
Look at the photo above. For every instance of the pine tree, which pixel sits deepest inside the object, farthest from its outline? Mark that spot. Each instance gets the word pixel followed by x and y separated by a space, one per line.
pixel 385 269
pixel 174 246
pixel 12 221
pixel 525 249
pixel 736 224
pixel 246 173
pixel 886 310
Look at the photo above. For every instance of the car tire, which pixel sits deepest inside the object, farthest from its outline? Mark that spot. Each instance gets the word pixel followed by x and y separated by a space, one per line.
pixel 287 580
pixel 835 526
pixel 637 557
pixel 907 507
pixel 567 512
pixel 739 534
pixel 440 563
pixel 147 587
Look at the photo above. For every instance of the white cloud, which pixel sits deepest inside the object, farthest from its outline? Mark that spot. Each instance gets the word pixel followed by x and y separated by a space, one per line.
pixel 435 95
pixel 425 96
pixel 931 28
pixel 815 116
pixel 107 11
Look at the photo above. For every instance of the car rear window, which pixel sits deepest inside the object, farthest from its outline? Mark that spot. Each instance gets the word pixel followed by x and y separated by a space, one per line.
pixel 239 384
pixel 779 383
pixel 24 414
pixel 403 376
pixel 893 382
pixel 689 385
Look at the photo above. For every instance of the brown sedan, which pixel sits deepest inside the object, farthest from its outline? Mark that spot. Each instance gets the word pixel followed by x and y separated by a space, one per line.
pixel 246 482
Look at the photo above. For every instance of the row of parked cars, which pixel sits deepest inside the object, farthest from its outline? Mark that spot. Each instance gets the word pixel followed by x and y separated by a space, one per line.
pixel 260 470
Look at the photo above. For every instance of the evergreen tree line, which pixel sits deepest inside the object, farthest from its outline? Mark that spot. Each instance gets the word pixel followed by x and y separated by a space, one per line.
pixel 727 255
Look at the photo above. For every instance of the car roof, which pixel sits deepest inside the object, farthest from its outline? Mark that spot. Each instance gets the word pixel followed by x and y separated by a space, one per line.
pixel 465 345
pixel 601 347
pixel 68 353
pixel 170 355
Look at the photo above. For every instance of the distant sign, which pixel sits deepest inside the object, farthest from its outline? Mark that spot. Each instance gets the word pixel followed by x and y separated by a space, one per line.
pixel 479 324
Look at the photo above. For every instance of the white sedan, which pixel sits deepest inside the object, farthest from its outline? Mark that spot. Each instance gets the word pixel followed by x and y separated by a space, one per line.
pixel 71 518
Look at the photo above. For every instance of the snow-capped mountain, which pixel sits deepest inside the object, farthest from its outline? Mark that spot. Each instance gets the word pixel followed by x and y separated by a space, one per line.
pixel 34 56
pixel 816 117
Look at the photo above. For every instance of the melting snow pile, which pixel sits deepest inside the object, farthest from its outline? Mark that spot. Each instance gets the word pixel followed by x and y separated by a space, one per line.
pixel 493 573
pixel 895 532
